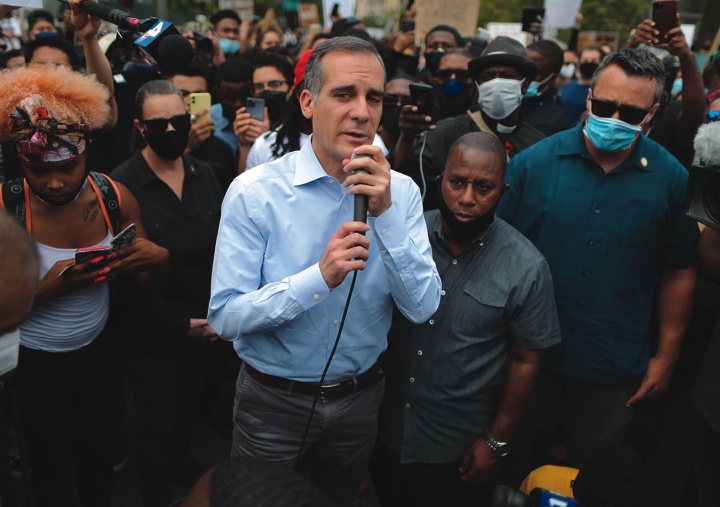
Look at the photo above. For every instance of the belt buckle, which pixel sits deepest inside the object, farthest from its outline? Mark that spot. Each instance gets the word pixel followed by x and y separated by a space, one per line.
pixel 327 388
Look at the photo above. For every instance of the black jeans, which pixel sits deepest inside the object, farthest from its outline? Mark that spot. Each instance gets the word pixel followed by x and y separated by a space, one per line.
pixel 67 403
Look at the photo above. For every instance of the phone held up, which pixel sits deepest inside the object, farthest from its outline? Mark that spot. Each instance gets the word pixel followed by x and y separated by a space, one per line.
pixel 200 102
pixel 664 15
pixel 421 95
pixel 256 107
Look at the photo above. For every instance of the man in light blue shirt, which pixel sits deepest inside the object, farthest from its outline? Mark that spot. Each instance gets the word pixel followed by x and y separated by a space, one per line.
pixel 286 244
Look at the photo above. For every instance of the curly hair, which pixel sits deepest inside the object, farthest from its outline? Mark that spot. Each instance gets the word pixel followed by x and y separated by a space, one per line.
pixel 82 98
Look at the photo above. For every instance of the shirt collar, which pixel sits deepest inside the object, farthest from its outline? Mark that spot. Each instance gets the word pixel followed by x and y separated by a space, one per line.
pixel 145 175
pixel 307 165
pixel 575 145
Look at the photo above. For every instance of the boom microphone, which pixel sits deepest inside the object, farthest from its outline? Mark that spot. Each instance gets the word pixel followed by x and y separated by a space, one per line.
pixel 161 43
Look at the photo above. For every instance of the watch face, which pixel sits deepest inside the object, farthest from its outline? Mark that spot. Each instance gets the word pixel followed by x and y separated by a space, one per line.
pixel 503 449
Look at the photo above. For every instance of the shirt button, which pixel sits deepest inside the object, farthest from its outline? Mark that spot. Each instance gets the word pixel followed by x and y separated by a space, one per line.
pixel 419 352
pixel 412 379
pixel 402 271
pixel 316 297
pixel 454 261
pixel 383 231
pixel 336 322
pixel 590 242
pixel 442 292
pixel 407 405
pixel 281 321
pixel 481 243
pixel 431 322
pixel 597 211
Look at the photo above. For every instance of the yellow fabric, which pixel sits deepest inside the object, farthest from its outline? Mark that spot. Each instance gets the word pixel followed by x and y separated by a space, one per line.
pixel 552 478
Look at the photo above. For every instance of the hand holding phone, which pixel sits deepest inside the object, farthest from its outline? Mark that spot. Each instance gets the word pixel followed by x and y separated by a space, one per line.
pixel 664 15
pixel 255 107
pixel 200 102
pixel 421 96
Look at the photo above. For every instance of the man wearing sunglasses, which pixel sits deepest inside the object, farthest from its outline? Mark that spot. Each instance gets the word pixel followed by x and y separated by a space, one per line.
pixel 605 206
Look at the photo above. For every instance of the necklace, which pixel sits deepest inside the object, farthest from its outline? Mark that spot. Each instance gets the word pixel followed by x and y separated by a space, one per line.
pixel 60 205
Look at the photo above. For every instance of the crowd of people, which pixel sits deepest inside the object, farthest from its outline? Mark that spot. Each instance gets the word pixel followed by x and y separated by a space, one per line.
pixel 498 291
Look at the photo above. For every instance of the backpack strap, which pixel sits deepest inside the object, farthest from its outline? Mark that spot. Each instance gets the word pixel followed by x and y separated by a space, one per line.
pixel 109 199
pixel 480 122
pixel 15 198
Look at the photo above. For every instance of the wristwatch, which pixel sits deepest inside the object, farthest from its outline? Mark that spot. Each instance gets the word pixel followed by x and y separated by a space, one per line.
pixel 501 449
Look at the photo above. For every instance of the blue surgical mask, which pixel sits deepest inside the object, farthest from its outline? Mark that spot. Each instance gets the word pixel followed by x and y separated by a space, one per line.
pixel 534 87
pixel 610 134
pixel 676 88
pixel 452 88
pixel 229 46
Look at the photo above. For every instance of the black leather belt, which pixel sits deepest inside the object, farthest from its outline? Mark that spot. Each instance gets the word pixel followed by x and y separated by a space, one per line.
pixel 329 391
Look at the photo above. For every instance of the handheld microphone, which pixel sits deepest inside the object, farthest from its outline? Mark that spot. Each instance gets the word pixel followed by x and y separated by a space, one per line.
pixel 161 43
pixel 361 200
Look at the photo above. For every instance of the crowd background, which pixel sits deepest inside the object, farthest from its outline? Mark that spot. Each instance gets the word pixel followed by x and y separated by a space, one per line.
pixel 176 369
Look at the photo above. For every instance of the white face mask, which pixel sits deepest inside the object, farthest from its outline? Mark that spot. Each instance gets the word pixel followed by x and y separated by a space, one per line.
pixel 499 98
pixel 568 70
pixel 9 348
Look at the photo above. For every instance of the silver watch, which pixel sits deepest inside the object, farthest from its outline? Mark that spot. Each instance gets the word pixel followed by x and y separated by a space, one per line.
pixel 501 449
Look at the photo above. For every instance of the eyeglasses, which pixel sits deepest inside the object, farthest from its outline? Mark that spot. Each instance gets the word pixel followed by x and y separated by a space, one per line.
pixel 461 75
pixel 713 115
pixel 391 100
pixel 160 125
pixel 258 88
pixel 628 114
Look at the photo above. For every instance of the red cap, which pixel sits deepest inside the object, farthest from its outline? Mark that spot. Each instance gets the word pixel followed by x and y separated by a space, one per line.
pixel 300 67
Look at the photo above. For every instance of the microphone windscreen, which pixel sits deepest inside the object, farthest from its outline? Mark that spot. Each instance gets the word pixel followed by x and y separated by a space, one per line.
pixel 175 52
pixel 707 145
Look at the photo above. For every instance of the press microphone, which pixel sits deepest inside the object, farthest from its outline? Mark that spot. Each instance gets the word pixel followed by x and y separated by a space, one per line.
pixel 361 200
pixel 707 145
pixel 161 43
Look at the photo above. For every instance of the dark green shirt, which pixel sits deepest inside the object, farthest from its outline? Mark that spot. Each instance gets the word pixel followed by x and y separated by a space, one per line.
pixel 606 237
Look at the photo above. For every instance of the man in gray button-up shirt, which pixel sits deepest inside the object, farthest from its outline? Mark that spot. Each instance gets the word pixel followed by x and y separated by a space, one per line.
pixel 457 384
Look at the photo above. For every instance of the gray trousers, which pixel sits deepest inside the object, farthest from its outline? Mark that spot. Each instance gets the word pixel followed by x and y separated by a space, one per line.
pixel 269 425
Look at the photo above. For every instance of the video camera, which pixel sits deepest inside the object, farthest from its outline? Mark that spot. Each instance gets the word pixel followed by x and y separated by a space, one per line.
pixel 702 199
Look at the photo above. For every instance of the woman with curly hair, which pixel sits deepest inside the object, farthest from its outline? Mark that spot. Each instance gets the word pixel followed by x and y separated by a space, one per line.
pixel 67 377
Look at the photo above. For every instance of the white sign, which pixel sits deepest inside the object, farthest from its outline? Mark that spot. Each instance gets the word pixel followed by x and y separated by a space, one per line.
pixel 512 30
pixel 561 13
pixel 346 8
pixel 29 4
pixel 689 31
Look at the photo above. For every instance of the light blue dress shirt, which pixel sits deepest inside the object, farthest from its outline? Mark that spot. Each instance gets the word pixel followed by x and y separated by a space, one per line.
pixel 223 128
pixel 268 295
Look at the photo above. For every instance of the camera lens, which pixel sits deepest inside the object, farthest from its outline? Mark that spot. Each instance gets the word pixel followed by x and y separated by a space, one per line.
pixel 711 197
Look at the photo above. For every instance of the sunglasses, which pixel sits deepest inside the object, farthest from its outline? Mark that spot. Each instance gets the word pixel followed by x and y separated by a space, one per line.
pixel 628 114
pixel 391 100
pixel 460 74
pixel 160 125
pixel 713 115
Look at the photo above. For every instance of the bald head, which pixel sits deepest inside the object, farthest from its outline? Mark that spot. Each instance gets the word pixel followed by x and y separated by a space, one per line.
pixel 485 143
pixel 19 273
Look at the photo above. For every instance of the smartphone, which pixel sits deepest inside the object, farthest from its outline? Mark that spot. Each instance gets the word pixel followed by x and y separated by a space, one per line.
pixel 664 14
pixel 256 107
pixel 531 15
pixel 408 25
pixel 90 252
pixel 421 95
pixel 126 237
pixel 198 102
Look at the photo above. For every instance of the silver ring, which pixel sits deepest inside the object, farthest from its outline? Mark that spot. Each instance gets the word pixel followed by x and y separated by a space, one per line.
pixel 193 118
pixel 649 42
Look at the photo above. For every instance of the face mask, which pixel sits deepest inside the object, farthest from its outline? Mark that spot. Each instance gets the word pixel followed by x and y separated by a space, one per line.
pixel 9 347
pixel 534 88
pixel 499 98
pixel 676 87
pixel 168 145
pixel 568 70
pixel 610 134
pixel 464 232
pixel 587 69
pixel 44 35
pixel 229 46
pixel 390 119
pixel 455 97
pixel 275 103
pixel 432 59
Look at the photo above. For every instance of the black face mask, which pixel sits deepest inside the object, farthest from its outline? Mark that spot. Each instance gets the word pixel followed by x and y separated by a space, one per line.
pixel 169 145
pixel 275 103
pixel 455 98
pixel 587 69
pixel 464 232
pixel 432 59
pixel 390 119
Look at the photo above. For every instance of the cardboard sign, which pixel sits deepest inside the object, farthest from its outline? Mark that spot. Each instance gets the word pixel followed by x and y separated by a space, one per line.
pixel 308 15
pixel 561 13
pixel 244 8
pixel 462 14
pixel 588 38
